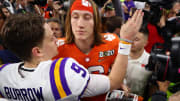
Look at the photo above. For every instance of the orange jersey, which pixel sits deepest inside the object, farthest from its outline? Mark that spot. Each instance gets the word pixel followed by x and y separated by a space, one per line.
pixel 98 60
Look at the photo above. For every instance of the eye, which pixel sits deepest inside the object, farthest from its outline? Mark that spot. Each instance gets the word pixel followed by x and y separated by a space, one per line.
pixel 56 29
pixel 74 16
pixel 87 17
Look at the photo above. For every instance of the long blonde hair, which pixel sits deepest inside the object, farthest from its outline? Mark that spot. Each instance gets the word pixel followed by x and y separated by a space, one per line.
pixel 97 25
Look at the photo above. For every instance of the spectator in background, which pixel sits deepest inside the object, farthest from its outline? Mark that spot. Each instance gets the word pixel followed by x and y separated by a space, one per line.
pixel 108 9
pixel 137 76
pixel 2 19
pixel 8 4
pixel 2 16
pixel 20 6
pixel 153 36
pixel 59 10
pixel 165 28
pixel 6 12
pixel 127 5
pixel 113 24
pixel 160 94
pixel 56 27
pixel 5 55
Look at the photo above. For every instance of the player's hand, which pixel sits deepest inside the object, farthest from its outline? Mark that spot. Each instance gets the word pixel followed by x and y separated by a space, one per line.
pixel 132 26
pixel 125 88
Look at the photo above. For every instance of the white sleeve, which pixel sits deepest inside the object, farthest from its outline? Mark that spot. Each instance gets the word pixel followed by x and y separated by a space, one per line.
pixel 98 84
pixel 2 99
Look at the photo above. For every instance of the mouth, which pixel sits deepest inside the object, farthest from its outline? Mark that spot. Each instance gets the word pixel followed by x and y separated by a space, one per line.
pixel 80 32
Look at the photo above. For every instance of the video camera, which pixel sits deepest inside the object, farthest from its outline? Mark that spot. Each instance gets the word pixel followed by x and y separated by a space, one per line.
pixel 165 67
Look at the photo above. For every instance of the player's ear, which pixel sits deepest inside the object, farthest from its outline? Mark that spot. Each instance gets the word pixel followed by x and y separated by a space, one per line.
pixel 36 51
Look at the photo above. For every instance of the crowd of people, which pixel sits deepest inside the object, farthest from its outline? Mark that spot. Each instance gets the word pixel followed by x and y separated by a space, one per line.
pixel 70 50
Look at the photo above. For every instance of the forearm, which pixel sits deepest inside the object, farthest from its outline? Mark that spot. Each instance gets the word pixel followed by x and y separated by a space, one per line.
pixel 118 71
pixel 98 84
pixel 127 33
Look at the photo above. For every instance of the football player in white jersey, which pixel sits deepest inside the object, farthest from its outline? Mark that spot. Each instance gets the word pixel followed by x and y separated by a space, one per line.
pixel 64 79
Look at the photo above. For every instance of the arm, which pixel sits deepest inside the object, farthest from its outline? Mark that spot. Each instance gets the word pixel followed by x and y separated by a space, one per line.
pixel 128 32
pixel 102 11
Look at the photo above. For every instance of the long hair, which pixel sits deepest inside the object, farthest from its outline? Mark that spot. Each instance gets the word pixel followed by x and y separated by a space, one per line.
pixel 97 25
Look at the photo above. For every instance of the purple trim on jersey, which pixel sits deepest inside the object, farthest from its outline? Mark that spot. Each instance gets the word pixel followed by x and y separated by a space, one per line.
pixel 3 66
pixel 53 84
pixel 1 94
pixel 84 88
pixel 63 79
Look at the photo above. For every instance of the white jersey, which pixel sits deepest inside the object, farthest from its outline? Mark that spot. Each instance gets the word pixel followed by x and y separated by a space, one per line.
pixel 63 80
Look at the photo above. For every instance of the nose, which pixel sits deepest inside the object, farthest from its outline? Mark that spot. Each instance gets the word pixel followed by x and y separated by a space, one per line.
pixel 80 22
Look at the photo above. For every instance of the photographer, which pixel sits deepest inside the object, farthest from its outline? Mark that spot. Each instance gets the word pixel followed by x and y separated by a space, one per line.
pixel 169 22
pixel 161 94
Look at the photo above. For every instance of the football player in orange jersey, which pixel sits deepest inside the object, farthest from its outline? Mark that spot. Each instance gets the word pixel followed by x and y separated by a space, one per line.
pixel 85 43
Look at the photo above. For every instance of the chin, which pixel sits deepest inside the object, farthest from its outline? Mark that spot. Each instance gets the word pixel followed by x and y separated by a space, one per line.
pixel 133 50
pixel 81 38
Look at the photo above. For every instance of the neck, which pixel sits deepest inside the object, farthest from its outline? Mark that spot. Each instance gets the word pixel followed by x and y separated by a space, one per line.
pixel 136 54
pixel 84 45
pixel 31 64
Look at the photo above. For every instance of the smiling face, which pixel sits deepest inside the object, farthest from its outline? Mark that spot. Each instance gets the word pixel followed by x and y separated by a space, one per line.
pixel 82 25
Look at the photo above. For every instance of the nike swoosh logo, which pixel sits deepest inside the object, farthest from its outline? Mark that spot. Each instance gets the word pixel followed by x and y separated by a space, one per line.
pixel 122 48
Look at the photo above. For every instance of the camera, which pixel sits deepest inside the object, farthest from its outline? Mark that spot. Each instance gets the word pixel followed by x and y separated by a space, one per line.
pixel 165 67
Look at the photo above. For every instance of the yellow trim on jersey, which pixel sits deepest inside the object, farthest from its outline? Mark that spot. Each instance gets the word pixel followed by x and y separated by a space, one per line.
pixel 1 65
pixel 60 89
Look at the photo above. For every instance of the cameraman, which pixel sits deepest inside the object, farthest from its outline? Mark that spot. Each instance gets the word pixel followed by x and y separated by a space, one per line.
pixel 168 25
pixel 161 94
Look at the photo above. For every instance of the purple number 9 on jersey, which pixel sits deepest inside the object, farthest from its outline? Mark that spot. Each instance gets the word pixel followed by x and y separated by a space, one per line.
pixel 78 69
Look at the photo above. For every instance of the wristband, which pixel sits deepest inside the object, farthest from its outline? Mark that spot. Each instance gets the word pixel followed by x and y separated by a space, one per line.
pixel 126 40
pixel 124 49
